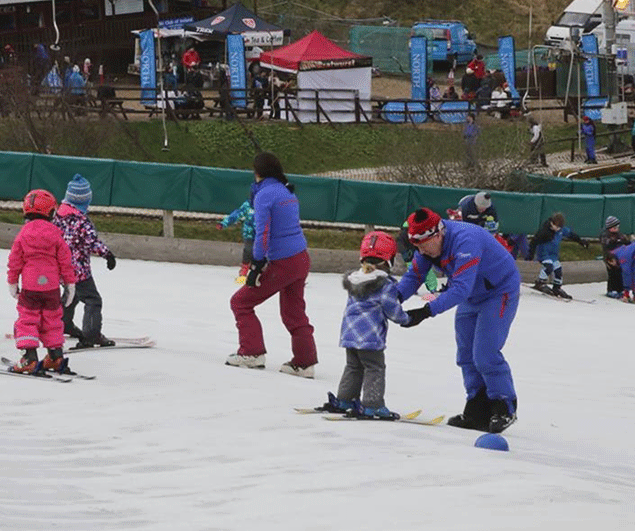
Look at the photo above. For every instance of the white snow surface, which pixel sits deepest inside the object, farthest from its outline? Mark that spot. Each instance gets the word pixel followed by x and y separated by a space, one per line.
pixel 170 438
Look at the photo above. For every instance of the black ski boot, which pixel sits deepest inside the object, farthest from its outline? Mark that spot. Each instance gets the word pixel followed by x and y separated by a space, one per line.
pixel 74 332
pixel 541 285
pixel 501 418
pixel 476 415
pixel 559 292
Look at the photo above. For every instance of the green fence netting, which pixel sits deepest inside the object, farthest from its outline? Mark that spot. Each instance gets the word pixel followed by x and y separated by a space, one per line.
pixel 217 190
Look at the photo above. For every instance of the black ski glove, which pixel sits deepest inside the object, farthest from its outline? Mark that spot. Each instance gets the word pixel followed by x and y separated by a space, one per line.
pixel 111 262
pixel 255 271
pixel 417 315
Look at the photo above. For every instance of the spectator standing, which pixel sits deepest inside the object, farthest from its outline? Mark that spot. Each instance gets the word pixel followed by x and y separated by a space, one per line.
pixel 190 58
pixel 478 66
pixel 536 143
pixel 87 70
pixel 470 136
pixel 469 85
pixel 41 65
pixel 587 128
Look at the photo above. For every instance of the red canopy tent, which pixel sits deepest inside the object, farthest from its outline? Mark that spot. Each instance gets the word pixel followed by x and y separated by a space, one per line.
pixel 313 52
pixel 339 79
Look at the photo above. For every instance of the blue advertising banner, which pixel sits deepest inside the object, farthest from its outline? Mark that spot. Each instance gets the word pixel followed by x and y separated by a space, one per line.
pixel 148 69
pixel 454 112
pixel 591 65
pixel 398 112
pixel 419 68
pixel 507 54
pixel 237 70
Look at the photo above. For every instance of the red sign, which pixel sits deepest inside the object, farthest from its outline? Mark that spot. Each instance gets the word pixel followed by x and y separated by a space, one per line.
pixel 217 20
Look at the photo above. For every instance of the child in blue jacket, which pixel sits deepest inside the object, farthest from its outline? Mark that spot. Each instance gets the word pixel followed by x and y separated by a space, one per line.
pixel 546 246
pixel 372 300
pixel 243 214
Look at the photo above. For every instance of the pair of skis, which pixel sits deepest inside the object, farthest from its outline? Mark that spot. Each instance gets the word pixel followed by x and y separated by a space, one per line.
pixel 412 418
pixel 68 375
pixel 120 343
pixel 557 298
pixel 46 376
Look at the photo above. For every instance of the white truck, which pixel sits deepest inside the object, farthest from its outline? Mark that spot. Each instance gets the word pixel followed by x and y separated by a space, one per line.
pixel 580 16
pixel 586 16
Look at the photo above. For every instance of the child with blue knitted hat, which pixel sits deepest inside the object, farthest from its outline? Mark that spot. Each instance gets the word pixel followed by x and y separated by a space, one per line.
pixel 81 237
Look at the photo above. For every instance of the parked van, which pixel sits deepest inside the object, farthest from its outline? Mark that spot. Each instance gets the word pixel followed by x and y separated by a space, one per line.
pixel 580 16
pixel 449 39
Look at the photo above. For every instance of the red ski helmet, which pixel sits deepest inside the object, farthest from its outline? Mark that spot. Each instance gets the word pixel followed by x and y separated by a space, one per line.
pixel 40 202
pixel 378 244
pixel 423 224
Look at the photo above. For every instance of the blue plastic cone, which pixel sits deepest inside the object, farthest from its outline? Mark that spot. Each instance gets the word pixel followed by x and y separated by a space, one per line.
pixel 492 441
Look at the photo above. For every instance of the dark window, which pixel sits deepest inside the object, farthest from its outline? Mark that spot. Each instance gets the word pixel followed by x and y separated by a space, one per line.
pixel 32 18
pixel 88 10
pixel 7 21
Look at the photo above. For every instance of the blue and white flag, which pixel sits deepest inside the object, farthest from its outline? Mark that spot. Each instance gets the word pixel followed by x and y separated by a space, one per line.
pixel 237 70
pixel 507 54
pixel 419 68
pixel 148 69
pixel 591 65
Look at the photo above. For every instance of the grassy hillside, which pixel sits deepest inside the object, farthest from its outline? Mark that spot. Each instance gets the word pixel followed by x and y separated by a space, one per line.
pixel 486 19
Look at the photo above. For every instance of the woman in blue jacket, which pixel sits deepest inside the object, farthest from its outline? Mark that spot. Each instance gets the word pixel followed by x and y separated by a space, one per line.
pixel 280 264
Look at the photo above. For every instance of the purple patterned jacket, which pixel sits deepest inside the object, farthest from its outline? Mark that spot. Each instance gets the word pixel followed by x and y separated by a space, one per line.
pixel 81 237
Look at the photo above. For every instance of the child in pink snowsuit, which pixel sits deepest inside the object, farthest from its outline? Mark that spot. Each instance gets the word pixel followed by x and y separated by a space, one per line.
pixel 42 260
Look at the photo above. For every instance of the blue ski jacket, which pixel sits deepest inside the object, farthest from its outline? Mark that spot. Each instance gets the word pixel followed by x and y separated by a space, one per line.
pixel 277 220
pixel 245 214
pixel 626 257
pixel 372 300
pixel 546 243
pixel 477 267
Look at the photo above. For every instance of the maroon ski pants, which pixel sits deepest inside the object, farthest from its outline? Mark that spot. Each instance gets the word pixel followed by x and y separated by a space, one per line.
pixel 286 277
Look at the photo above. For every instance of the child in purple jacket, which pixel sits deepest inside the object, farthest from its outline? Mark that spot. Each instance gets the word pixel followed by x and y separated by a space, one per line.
pixel 81 237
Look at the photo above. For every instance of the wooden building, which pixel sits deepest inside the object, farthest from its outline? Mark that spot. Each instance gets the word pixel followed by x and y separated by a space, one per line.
pixel 97 29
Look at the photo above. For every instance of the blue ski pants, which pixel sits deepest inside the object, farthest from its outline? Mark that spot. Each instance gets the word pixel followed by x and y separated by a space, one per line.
pixel 481 331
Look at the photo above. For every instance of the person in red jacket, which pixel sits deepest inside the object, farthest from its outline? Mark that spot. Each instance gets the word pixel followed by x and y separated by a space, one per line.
pixel 190 58
pixel 41 259
pixel 478 66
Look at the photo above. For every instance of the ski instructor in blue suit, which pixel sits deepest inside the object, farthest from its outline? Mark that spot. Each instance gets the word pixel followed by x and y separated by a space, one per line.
pixel 484 285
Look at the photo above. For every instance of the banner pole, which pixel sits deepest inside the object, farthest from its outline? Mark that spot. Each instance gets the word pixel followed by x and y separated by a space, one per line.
pixel 163 102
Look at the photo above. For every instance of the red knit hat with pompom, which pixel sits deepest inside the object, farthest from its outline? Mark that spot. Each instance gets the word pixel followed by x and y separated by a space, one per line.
pixel 423 224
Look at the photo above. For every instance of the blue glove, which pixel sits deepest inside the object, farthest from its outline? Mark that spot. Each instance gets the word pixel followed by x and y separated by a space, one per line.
pixel 255 272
